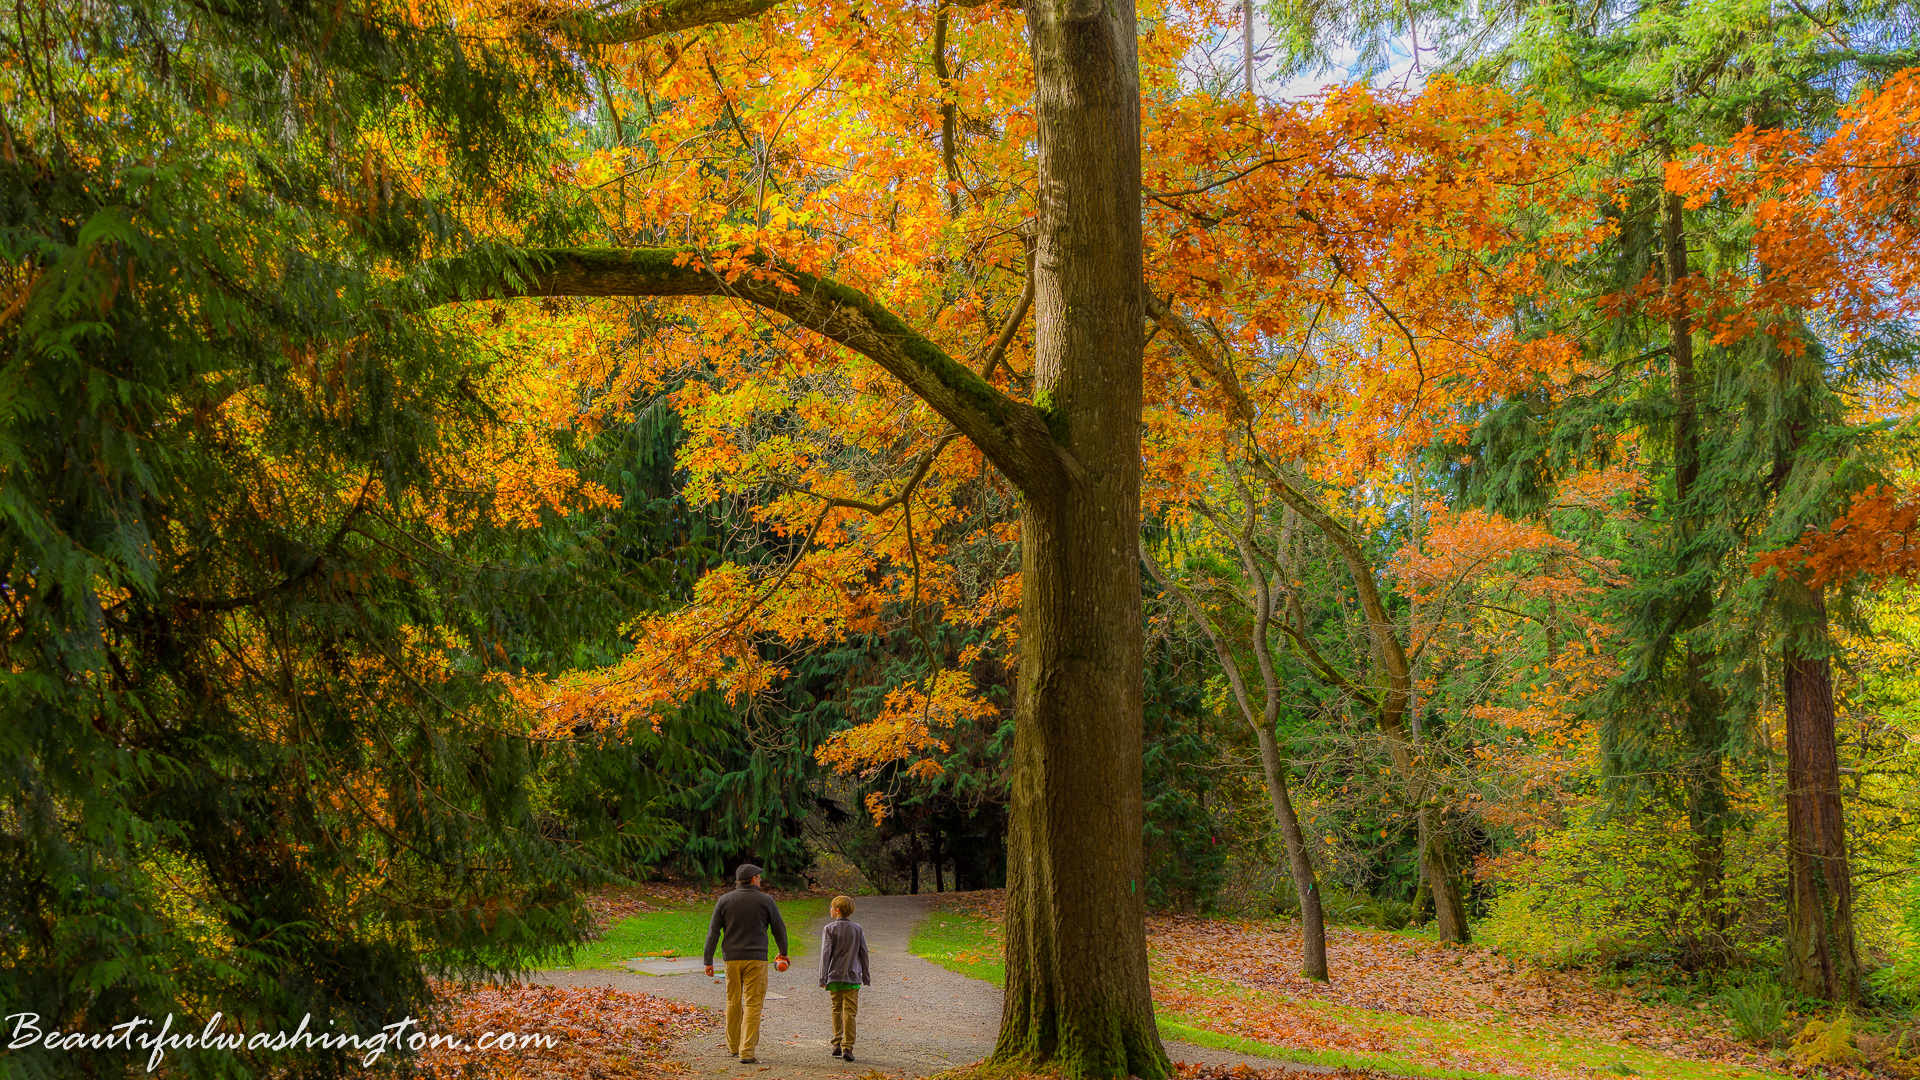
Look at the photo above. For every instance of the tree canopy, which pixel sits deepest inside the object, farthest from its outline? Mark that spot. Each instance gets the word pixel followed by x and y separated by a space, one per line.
pixel 460 455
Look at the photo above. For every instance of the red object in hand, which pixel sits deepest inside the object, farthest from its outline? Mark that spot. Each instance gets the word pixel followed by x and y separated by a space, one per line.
pixel 780 964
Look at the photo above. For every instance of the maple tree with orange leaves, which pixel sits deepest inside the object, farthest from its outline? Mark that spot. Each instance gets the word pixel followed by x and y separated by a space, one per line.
pixel 326 588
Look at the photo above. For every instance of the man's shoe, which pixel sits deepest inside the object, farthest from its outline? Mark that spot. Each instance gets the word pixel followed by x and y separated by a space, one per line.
pixel 846 1055
pixel 836 1051
pixel 749 1061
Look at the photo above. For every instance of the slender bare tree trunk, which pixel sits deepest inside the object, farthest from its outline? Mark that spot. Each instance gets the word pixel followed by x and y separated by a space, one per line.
pixel 1246 46
pixel 1273 763
pixel 939 871
pixel 1438 866
pixel 913 857
pixel 1313 919
pixel 1077 995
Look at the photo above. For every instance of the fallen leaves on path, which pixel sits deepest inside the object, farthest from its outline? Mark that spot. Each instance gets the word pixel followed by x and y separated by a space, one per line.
pixel 611 904
pixel 602 1034
pixel 1280 1023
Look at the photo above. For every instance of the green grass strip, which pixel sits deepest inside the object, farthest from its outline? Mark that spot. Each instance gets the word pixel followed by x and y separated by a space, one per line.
pixel 963 943
pixel 1171 1028
pixel 682 931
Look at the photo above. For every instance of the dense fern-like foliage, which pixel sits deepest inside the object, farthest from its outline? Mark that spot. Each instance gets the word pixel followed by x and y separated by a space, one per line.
pixel 253 597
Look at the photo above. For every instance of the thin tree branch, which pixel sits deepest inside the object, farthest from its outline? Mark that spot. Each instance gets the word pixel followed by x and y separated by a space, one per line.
pixel 1012 326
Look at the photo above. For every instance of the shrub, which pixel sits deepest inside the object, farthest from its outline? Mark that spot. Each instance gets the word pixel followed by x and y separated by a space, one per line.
pixel 1757 1011
pixel 1825 1042
pixel 1623 885
pixel 1900 980
pixel 1393 914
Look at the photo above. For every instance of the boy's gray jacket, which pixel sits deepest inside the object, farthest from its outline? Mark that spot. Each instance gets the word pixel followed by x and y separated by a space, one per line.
pixel 745 914
pixel 843 954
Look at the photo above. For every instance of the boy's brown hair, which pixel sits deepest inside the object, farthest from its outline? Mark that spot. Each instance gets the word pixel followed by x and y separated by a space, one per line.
pixel 843 905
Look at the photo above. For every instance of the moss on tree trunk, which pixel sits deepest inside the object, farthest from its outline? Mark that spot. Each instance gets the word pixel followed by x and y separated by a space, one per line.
pixel 1077 997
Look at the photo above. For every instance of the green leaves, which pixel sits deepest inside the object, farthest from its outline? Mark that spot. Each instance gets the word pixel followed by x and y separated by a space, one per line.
pixel 256 757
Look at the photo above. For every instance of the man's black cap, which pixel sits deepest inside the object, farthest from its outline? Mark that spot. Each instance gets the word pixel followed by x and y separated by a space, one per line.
pixel 747 872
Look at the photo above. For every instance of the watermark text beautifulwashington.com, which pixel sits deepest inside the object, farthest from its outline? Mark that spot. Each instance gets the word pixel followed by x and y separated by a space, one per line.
pixel 161 1038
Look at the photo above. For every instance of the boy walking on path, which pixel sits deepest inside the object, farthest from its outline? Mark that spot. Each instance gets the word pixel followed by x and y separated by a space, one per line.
pixel 744 916
pixel 843 970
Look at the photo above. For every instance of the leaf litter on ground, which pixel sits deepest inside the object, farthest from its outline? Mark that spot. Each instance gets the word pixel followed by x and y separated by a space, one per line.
pixel 1240 978
pixel 600 1033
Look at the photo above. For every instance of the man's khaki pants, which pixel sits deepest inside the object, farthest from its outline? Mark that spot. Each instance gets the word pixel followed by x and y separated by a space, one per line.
pixel 845 1004
pixel 746 992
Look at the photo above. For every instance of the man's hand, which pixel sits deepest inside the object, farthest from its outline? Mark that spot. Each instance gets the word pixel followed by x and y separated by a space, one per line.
pixel 709 971
pixel 780 963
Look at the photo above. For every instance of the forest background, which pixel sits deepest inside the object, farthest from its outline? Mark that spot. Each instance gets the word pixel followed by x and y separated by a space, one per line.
pixel 433 485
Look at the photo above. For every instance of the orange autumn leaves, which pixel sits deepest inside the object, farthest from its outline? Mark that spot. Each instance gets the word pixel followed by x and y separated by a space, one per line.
pixel 1352 259
pixel 1836 232
pixel 1357 260
pixel 1874 538
pixel 598 1033
pixel 1835 225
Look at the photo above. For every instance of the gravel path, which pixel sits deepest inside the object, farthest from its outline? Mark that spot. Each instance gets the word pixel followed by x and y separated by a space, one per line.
pixel 917 1018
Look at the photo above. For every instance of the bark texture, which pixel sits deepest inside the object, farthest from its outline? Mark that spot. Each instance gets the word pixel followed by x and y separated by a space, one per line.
pixel 1077 996
pixel 1821 957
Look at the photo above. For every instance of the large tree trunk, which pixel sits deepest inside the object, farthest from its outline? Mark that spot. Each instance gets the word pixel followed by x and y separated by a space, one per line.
pixel 1077 996
pixel 1821 960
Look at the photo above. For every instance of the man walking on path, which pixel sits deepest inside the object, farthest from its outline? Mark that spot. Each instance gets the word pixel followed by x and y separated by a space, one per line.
pixel 744 916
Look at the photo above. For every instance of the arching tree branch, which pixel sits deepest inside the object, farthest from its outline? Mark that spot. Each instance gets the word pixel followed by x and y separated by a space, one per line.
pixel 1012 434
pixel 617 23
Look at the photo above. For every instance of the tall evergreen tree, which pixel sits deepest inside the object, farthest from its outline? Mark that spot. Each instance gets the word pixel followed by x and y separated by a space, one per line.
pixel 255 578
pixel 1723 411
